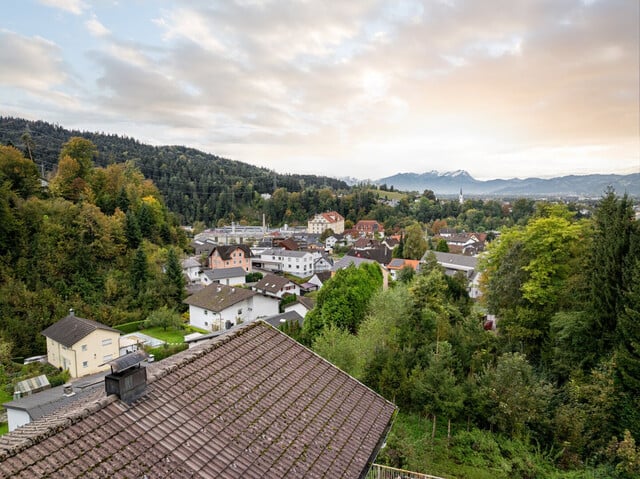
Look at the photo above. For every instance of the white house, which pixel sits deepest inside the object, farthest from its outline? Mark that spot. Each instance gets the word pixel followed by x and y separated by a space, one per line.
pixel 276 286
pixel 191 269
pixel 229 276
pixel 219 307
pixel 324 221
pixel 302 306
pixel 321 262
pixel 81 346
pixel 297 263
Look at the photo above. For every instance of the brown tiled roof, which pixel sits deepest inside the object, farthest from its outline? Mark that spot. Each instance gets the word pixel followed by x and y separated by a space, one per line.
pixel 71 329
pixel 272 283
pixel 218 297
pixel 250 404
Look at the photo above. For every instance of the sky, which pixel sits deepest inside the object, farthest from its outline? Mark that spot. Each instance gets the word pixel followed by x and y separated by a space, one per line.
pixel 360 88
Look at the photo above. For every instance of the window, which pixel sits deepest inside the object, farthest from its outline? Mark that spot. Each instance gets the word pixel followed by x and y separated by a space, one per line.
pixel 107 342
pixel 85 364
pixel 107 357
pixel 84 347
pixel 206 312
pixel 206 323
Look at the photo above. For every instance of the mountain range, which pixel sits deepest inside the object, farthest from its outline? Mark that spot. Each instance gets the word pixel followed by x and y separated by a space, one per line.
pixel 450 183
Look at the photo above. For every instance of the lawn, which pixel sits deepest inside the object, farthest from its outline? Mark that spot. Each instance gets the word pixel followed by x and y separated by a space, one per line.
pixel 171 335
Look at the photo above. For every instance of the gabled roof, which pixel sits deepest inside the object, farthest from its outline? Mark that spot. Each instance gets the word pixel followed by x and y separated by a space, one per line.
pixel 225 251
pixel 381 254
pixel 305 301
pixel 323 276
pixel 252 403
pixel 272 283
pixel 218 297
pixel 190 263
pixel 224 273
pixel 71 329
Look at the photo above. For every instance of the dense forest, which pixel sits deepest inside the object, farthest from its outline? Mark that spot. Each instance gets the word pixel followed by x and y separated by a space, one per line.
pixel 197 186
pixel 201 188
pixel 553 392
pixel 97 240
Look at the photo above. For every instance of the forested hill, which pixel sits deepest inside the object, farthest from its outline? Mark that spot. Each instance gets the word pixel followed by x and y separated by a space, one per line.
pixel 197 186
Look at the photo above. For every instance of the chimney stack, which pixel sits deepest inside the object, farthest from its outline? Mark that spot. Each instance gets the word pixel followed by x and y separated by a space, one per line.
pixel 128 379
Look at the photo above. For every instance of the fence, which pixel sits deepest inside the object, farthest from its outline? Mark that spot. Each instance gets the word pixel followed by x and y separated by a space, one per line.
pixel 378 471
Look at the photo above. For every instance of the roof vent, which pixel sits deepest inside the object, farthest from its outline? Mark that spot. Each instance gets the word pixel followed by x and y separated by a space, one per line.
pixel 67 390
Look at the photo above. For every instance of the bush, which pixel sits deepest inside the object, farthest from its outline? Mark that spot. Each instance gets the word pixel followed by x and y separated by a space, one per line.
pixel 131 327
pixel 166 350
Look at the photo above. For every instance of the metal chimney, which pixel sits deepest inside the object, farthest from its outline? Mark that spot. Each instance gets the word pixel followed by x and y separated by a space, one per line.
pixel 128 379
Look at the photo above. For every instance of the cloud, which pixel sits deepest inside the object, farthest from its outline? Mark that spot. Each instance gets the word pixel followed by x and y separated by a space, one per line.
pixel 419 82
pixel 30 63
pixel 72 6
pixel 96 28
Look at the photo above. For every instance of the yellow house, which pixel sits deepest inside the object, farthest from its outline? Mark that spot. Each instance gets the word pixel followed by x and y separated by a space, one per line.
pixel 81 346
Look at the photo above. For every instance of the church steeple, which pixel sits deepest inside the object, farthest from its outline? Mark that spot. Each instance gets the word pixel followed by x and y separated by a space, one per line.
pixel 460 197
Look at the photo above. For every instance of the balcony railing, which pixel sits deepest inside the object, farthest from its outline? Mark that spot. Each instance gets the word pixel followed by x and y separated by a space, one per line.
pixel 378 471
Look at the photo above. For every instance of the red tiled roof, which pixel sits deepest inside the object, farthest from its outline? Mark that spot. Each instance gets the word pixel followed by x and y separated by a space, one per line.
pixel 253 403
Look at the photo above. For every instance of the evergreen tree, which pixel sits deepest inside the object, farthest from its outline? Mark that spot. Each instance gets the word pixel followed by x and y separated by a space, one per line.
pixel 132 230
pixel 627 357
pixel 175 278
pixel 139 271
pixel 609 259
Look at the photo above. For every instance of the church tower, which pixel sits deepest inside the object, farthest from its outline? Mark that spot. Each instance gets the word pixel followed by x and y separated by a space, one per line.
pixel 460 197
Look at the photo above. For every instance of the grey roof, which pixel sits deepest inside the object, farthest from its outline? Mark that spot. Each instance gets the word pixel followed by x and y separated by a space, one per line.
pixel 285 252
pixel 71 329
pixel 50 400
pixel 288 317
pixel 224 273
pixel 218 297
pixel 304 301
pixel 455 261
pixel 345 261
pixel 190 263
pixel 252 403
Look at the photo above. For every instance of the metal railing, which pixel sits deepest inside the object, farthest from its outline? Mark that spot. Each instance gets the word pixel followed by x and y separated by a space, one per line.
pixel 379 471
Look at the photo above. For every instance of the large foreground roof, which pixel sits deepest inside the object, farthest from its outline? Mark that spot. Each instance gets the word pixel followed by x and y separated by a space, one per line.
pixel 252 403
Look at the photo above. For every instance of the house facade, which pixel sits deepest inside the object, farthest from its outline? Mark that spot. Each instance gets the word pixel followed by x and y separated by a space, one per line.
pixel 297 263
pixel 368 227
pixel 191 269
pixel 324 221
pixel 276 286
pixel 81 346
pixel 229 276
pixel 218 307
pixel 231 256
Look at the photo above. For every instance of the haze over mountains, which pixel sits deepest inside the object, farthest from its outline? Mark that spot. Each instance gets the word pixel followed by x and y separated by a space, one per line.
pixel 450 183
